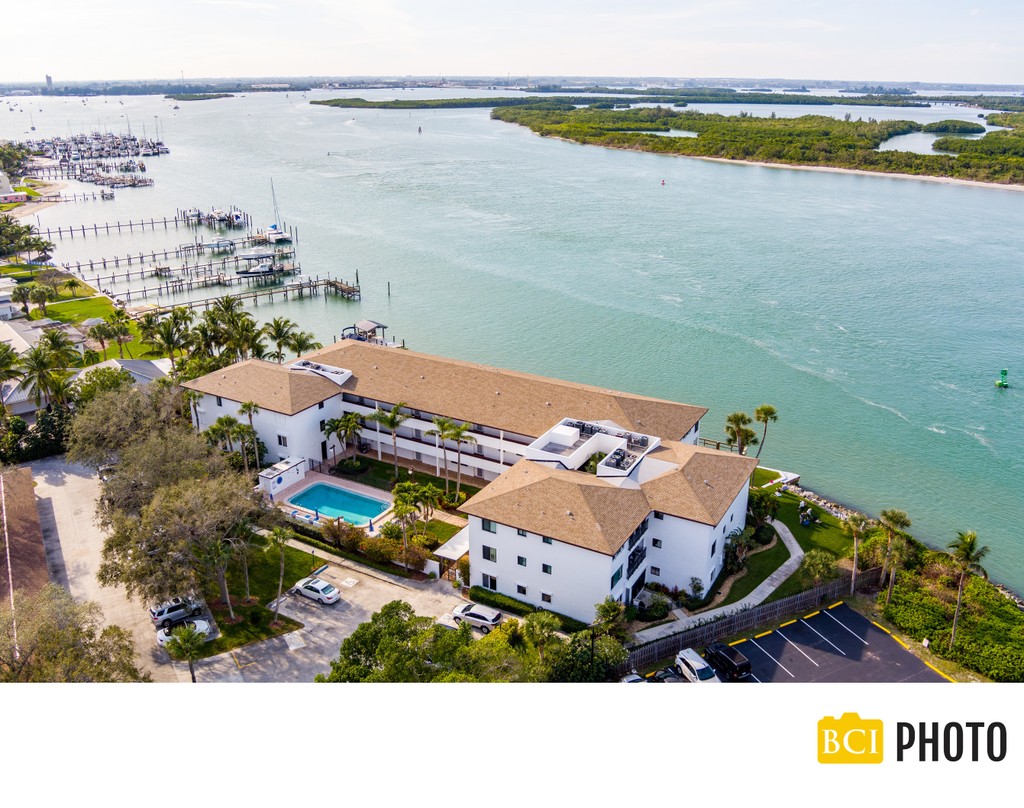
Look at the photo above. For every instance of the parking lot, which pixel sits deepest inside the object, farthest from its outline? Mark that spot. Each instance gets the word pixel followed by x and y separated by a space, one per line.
pixel 834 644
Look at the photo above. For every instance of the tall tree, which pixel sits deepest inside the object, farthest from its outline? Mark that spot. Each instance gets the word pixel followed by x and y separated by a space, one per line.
pixel 967 556
pixel 763 415
pixel 280 331
pixel 277 541
pixel 855 525
pixel 894 521
pixel 249 409
pixel 460 434
pixel 443 428
pixel 738 432
pixel 391 420
pixel 37 370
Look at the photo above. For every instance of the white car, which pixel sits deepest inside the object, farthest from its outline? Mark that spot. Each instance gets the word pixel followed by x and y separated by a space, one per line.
pixel 483 617
pixel 694 668
pixel 175 609
pixel 163 636
pixel 317 589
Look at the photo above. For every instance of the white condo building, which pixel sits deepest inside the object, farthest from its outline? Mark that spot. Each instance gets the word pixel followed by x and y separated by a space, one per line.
pixel 655 507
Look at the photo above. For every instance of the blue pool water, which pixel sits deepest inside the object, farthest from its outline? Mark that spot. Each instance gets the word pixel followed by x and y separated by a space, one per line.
pixel 332 501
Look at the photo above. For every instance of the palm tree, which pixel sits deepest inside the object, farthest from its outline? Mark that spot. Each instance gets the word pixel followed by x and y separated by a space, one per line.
pixel 738 432
pixel 186 643
pixel 967 557
pixel 280 331
pixel 855 525
pixel 228 426
pixel 72 285
pixel 894 522
pixel 278 540
pixel 22 294
pixel 166 337
pixel 10 370
pixel 36 367
pixel 147 325
pixel 217 555
pixel 404 511
pixel 41 295
pixel 100 332
pixel 62 351
pixel 62 388
pixel 303 342
pixel 249 409
pixel 764 414
pixel 541 629
pixel 442 430
pixel 391 420
pixel 460 437
pixel 900 554
pixel 428 497
pixel 120 330
pixel 192 399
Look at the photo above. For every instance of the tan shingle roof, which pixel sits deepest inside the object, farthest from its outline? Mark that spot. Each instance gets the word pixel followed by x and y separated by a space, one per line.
pixel 571 506
pixel 28 557
pixel 272 386
pixel 536 497
pixel 501 399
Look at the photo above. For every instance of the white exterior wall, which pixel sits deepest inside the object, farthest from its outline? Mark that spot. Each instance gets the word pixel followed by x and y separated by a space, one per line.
pixel 686 547
pixel 302 430
pixel 579 578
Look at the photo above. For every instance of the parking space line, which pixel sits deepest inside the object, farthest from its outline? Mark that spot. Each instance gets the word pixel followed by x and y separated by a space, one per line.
pixel 791 622
pixel 798 648
pixel 755 678
pixel 762 634
pixel 840 622
pixel 773 659
pixel 826 639
pixel 238 664
pixel 876 625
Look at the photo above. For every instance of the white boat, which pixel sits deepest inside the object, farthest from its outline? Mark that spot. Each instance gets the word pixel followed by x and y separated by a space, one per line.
pixel 257 255
pixel 261 270
pixel 276 233
pixel 220 245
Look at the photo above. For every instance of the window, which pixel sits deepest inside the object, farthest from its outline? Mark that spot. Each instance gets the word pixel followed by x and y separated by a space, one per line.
pixel 489 582
pixel 731 515
pixel 714 544
pixel 522 561
pixel 547 540
pixel 656 542
pixel 282 440
pixel 544 596
pixel 220 401
pixel 322 425
pixel 617 576
pixel 659 515
pixel 545 568
pixel 520 589
pixel 655 570
pixel 320 406
pixel 520 531
pixel 488 525
pixel 490 554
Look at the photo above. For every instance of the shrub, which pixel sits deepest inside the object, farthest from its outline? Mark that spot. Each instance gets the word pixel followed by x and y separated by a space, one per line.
pixel 508 604
pixel 257 617
pixel 453 500
pixel 341 534
pixel 463 567
pixel 391 530
pixel 764 535
pixel 353 465
pixel 658 609
pixel 380 548
pixel 413 556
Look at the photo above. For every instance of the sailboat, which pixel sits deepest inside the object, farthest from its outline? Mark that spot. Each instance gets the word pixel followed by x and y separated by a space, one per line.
pixel 276 233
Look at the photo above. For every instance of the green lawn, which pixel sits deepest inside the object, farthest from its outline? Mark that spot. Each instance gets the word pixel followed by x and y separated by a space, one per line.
pixel 264 569
pixel 764 476
pixel 437 532
pixel 759 567
pixel 83 309
pixel 381 474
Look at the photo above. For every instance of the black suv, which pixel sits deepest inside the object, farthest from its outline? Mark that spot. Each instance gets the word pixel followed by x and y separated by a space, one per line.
pixel 729 662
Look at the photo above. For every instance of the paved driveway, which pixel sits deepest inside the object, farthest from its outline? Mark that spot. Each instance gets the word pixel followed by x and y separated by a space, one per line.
pixel 300 655
pixel 66 496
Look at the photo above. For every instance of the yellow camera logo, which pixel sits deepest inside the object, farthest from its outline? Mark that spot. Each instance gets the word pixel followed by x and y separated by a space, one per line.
pixel 849 739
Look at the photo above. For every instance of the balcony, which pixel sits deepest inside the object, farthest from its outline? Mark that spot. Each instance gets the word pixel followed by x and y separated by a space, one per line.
pixel 636 558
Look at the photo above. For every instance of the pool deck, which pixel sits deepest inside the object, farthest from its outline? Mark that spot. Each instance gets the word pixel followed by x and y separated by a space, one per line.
pixel 313 477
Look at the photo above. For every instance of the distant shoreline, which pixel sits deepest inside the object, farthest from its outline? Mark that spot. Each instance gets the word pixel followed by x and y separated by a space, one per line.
pixel 831 169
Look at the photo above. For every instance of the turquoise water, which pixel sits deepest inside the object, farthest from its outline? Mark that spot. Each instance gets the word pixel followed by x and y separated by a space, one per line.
pixel 329 500
pixel 874 313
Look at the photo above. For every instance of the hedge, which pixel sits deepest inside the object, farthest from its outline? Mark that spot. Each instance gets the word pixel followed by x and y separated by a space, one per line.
pixel 311 536
pixel 504 602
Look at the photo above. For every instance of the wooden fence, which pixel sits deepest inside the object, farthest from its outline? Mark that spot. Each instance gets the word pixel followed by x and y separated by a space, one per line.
pixel 738 622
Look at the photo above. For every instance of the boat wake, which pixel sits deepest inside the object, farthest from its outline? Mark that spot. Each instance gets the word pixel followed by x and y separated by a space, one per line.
pixel 885 407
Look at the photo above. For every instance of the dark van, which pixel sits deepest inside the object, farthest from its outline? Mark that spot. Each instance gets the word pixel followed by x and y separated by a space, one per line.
pixel 729 662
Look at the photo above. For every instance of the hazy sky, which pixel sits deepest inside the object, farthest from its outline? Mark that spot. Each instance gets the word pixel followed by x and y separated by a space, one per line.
pixel 939 41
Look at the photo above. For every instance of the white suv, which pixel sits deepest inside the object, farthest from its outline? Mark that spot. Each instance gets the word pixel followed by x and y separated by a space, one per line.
pixel 483 617
pixel 694 668
pixel 175 609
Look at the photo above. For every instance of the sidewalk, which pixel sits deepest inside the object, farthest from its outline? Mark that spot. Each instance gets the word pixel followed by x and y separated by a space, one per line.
pixel 684 621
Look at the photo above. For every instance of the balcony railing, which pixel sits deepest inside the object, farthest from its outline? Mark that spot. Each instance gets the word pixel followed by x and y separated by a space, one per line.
pixel 636 558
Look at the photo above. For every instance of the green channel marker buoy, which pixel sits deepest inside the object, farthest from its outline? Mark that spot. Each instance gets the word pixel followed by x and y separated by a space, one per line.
pixel 1001 382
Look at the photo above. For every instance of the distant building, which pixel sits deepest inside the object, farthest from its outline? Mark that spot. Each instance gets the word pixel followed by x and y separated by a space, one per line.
pixel 49 83
pixel 8 194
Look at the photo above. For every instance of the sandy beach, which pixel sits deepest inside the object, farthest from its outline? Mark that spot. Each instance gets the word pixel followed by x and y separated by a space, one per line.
pixel 32 208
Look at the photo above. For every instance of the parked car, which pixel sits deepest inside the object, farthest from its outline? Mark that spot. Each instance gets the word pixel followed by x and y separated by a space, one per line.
pixel 633 678
pixel 666 675
pixel 163 636
pixel 693 667
pixel 729 662
pixel 319 590
pixel 175 609
pixel 483 617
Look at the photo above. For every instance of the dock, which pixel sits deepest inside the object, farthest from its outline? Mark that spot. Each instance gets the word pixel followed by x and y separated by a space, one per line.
pixel 180 219
pixel 311 287
pixel 181 252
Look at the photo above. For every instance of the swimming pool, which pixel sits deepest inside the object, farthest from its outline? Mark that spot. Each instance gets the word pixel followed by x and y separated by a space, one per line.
pixel 334 502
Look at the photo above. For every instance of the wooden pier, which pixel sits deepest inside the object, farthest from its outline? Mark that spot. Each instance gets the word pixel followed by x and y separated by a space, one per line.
pixel 311 287
pixel 181 252
pixel 180 219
